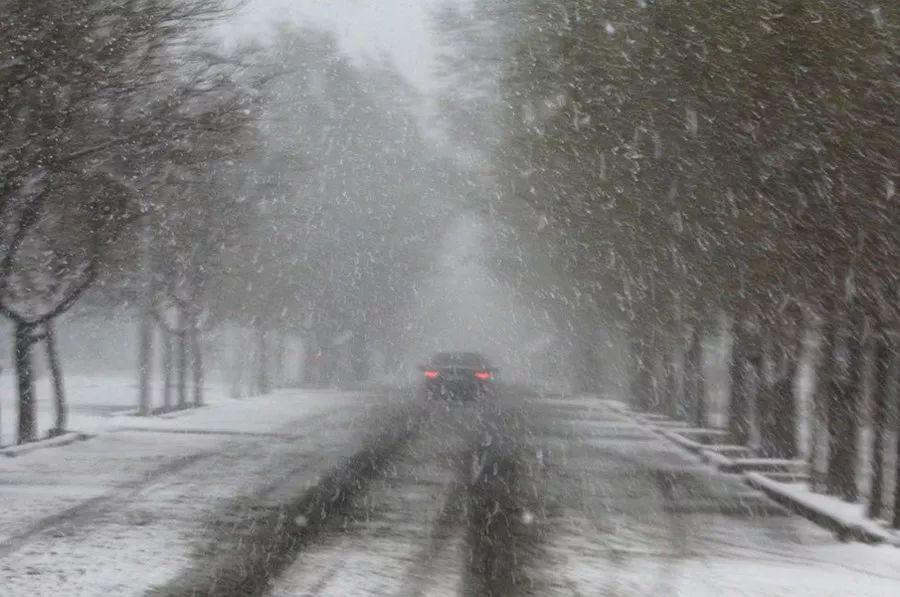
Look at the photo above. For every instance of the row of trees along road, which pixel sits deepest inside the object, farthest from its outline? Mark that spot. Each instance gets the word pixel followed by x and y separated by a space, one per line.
pixel 689 161
pixel 87 89
pixel 359 192
pixel 281 189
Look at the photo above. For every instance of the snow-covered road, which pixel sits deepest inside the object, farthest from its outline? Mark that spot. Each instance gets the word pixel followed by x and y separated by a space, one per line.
pixel 634 515
pixel 355 494
pixel 128 509
pixel 565 497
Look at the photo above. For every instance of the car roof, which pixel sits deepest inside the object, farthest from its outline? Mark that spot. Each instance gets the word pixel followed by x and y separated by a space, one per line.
pixel 464 359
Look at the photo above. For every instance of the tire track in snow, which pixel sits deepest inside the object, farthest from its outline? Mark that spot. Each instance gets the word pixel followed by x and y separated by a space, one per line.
pixel 246 556
pixel 435 521
pixel 446 536
pixel 504 512
pixel 404 535
pixel 85 513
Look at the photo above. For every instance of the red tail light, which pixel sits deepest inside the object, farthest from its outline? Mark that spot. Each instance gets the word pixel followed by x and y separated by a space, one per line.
pixel 431 374
pixel 482 375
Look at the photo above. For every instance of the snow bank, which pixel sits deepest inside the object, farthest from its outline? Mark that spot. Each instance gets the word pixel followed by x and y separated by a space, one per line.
pixel 847 519
pixel 95 402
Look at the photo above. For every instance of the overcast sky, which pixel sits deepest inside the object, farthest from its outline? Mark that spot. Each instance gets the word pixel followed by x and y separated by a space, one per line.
pixel 464 306
pixel 399 31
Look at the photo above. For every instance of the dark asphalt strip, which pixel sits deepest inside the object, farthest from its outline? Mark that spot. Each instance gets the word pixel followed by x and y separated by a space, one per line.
pixel 245 558
pixel 444 527
pixel 493 507
pixel 502 514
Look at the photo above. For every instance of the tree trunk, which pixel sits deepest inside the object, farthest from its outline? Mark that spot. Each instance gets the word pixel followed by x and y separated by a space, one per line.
pixel 843 412
pixel 660 381
pixel 262 364
pixel 197 362
pixel 694 379
pixel 764 394
pixel 27 427
pixel 755 380
pixel 313 359
pixel 828 386
pixel 896 517
pixel 668 391
pixel 652 376
pixel 879 419
pixel 359 358
pixel 236 367
pixel 854 395
pixel 778 405
pixel 280 347
pixel 59 394
pixel 738 405
pixel 681 383
pixel 182 339
pixel 145 326
pixel 778 416
pixel 639 378
pixel 145 358
pixel 819 424
pixel 168 350
pixel 329 365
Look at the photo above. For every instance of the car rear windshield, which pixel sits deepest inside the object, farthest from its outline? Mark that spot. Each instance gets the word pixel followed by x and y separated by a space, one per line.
pixel 459 359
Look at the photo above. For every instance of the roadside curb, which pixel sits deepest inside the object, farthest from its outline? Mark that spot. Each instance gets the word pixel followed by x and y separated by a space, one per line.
pixel 753 472
pixel 686 443
pixel 53 442
pixel 179 412
pixel 846 530
pixel 159 413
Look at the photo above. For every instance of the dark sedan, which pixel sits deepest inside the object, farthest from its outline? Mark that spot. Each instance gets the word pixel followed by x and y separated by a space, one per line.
pixel 460 375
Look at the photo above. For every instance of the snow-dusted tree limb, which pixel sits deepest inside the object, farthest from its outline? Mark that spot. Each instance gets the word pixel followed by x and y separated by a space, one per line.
pixel 84 125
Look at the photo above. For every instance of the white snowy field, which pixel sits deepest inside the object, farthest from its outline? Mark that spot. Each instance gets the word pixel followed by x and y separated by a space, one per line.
pixel 127 510
pixel 95 402
pixel 620 511
pixel 651 520
pixel 608 506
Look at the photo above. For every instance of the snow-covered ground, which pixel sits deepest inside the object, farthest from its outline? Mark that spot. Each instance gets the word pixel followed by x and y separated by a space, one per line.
pixel 127 509
pixel 617 510
pixel 95 402
pixel 849 514
pixel 404 538
pixel 563 496
pixel 650 520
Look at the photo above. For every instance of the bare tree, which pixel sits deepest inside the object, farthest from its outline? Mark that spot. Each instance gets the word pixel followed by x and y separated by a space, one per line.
pixel 67 188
